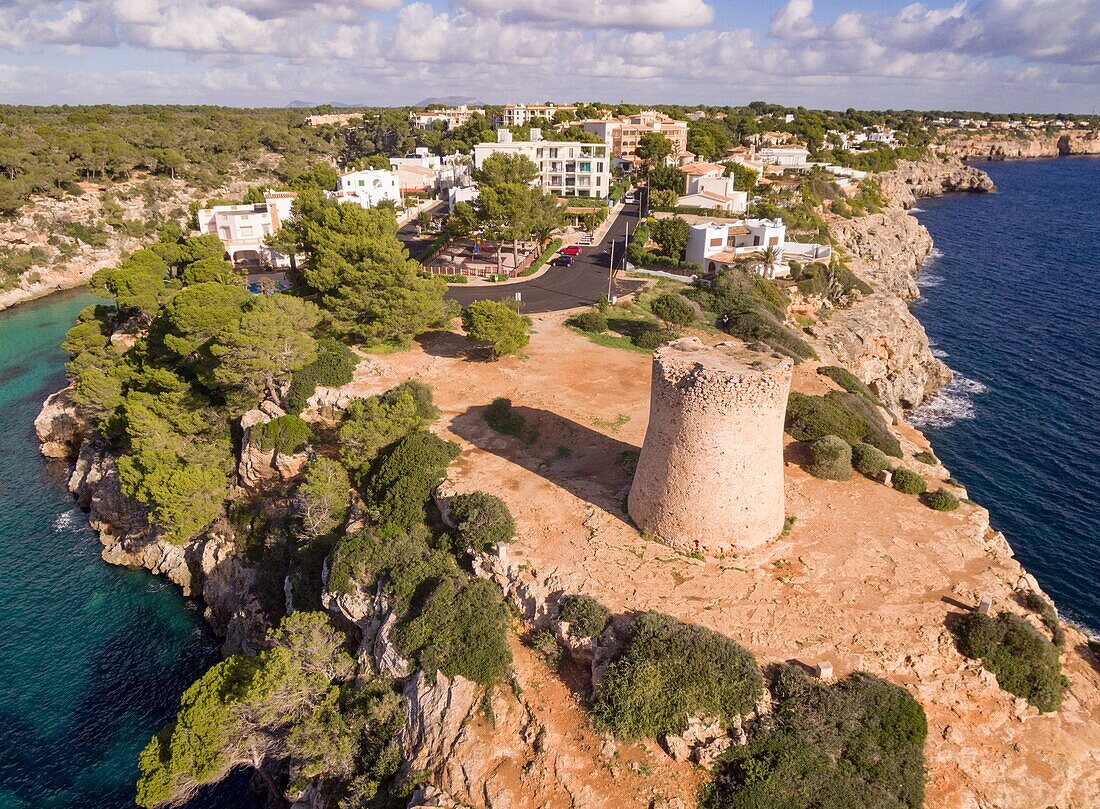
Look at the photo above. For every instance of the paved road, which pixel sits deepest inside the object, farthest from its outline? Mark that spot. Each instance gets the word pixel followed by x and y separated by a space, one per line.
pixel 565 287
pixel 418 244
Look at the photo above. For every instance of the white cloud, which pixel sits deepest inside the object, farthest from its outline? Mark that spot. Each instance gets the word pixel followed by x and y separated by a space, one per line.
pixel 631 15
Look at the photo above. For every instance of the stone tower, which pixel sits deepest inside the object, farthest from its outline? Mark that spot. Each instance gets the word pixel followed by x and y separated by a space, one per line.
pixel 710 474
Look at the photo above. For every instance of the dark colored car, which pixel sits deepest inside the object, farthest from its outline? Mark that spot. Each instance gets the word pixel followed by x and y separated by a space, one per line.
pixel 563 261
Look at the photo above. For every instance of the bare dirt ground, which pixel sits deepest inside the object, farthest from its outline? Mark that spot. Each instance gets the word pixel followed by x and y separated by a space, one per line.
pixel 868 578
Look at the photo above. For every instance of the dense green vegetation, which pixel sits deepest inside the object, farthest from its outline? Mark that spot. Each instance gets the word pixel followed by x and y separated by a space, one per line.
pixel 845 415
pixel 908 481
pixel 481 520
pixel 1026 663
pixel 852 745
pixel 333 367
pixel 591 321
pixel 284 435
pixel 373 424
pixel 849 381
pixel 672 308
pixel 870 461
pixel 667 672
pixel 50 150
pixel 496 327
pixel 941 500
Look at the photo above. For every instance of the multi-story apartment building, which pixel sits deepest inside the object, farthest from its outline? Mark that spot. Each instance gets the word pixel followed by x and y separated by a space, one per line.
pixel 451 116
pixel 243 228
pixel 566 168
pixel 368 188
pixel 527 114
pixel 624 132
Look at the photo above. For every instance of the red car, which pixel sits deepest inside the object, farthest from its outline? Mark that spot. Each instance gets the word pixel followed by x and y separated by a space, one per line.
pixel 571 250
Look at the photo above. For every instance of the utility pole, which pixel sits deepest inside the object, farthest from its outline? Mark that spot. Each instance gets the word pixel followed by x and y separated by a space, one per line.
pixel 611 271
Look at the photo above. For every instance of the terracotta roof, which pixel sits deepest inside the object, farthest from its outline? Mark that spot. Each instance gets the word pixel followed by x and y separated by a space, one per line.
pixel 699 169
pixel 280 195
pixel 725 257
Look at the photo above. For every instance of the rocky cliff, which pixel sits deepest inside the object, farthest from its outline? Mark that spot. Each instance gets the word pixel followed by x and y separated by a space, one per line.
pixel 997 146
pixel 877 337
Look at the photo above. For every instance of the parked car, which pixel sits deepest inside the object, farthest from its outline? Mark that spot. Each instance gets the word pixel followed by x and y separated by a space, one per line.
pixel 563 261
pixel 570 250
pixel 630 199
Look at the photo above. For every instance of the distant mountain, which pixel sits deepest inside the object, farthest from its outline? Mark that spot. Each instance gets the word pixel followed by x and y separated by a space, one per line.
pixel 450 101
pixel 297 104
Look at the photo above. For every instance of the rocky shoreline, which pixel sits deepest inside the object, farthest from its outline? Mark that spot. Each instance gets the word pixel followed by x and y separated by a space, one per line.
pixel 994 146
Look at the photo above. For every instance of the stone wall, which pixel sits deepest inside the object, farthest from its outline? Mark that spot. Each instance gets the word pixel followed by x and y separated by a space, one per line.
pixel 710 474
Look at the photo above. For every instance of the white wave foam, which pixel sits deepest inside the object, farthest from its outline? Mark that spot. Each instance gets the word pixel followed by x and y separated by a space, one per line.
pixel 927 280
pixel 953 403
pixel 67 521
pixel 915 209
pixel 939 353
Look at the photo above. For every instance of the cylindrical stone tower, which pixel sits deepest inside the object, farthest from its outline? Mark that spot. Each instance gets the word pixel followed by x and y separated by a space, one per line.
pixel 710 474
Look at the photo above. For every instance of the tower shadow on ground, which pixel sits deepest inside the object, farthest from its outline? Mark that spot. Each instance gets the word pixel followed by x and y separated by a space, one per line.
pixel 587 463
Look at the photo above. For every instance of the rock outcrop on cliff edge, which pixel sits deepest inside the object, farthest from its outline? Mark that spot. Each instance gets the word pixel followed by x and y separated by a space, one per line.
pixel 995 146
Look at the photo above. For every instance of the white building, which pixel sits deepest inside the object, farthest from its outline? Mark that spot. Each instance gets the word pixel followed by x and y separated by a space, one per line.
pixel 566 168
pixel 708 187
pixel 526 114
pixel 785 156
pixel 243 228
pixel 716 246
pixel 368 188
pixel 451 117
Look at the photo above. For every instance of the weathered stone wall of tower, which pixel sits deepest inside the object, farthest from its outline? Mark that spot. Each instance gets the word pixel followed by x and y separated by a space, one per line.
pixel 710 474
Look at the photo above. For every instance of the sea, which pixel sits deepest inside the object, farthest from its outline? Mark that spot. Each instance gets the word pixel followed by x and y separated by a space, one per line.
pixel 1011 302
pixel 93 658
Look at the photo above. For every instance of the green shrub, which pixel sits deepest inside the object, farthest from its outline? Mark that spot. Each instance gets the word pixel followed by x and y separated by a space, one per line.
pixel 908 481
pixel 672 308
pixel 591 322
pixel 482 520
pixel 870 461
pixel 941 500
pixel 924 456
pixel 1049 616
pixel 370 425
pixel 842 414
pixel 586 616
pixel 285 435
pixel 1026 663
pixel 858 744
pixel 497 326
pixel 830 458
pixel 334 366
pixel 400 487
pixel 668 671
pixel 462 631
pixel 652 337
pixel 504 419
pixel 849 381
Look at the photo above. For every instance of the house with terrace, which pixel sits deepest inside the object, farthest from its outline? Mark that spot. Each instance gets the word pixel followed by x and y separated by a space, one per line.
pixel 716 246
pixel 707 186
pixel 244 228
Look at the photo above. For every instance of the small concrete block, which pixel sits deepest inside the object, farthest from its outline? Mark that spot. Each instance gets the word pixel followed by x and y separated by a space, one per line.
pixel 824 670
pixel 887 477
pixel 984 605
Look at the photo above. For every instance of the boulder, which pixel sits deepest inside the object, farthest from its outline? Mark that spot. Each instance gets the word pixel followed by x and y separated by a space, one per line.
pixel 59 426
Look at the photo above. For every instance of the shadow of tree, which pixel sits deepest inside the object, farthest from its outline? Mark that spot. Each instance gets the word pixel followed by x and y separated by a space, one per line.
pixel 443 344
pixel 1090 652
pixel 589 464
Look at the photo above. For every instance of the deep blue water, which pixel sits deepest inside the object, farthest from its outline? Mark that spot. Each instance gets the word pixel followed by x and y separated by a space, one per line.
pixel 1011 301
pixel 93 658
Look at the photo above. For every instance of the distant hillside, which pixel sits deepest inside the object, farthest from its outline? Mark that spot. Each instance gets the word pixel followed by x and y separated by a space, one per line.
pixel 298 104
pixel 450 101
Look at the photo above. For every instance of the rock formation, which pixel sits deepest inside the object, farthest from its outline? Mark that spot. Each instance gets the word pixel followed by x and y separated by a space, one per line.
pixel 997 146
pixel 710 474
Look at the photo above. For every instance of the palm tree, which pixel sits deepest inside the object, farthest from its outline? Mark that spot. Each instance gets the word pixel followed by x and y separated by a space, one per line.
pixel 769 260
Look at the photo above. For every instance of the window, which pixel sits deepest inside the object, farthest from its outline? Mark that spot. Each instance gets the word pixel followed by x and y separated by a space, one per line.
pixel 246 230
pixel 586 167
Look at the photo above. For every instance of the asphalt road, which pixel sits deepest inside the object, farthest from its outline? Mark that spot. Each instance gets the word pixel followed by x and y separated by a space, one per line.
pixel 564 287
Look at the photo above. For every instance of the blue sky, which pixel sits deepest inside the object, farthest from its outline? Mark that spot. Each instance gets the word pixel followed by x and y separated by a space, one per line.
pixel 997 55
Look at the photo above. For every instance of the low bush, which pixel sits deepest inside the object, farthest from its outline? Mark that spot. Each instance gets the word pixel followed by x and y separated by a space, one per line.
pixel 285 435
pixel 668 671
pixel 857 744
pixel 501 416
pixel 830 458
pixel 672 308
pixel 870 461
pixel 849 381
pixel 482 520
pixel 370 425
pixel 334 366
pixel 846 415
pixel 941 500
pixel 586 616
pixel 1049 616
pixel 908 481
pixel 402 483
pixel 924 456
pixel 591 322
pixel 652 337
pixel 1026 664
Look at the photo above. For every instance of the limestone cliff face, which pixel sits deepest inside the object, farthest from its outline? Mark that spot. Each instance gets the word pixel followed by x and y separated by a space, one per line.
pixel 877 338
pixel 996 146
pixel 208 567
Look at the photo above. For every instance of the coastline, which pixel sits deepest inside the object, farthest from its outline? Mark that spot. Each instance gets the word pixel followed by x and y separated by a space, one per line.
pixel 208 570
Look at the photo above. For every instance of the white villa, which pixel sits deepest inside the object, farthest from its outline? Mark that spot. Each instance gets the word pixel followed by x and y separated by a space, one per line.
pixel 715 246
pixel 243 228
pixel 368 188
pixel 524 114
pixel 566 168
pixel 792 157
pixel 450 117
pixel 708 187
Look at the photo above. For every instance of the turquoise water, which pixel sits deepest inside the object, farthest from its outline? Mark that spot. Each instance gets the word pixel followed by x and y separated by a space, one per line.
pixel 93 658
pixel 1010 301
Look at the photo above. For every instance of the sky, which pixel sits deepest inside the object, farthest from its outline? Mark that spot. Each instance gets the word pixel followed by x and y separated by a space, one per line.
pixel 993 55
